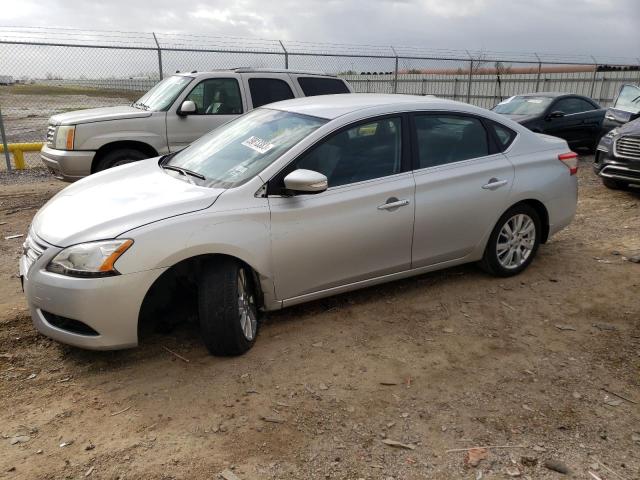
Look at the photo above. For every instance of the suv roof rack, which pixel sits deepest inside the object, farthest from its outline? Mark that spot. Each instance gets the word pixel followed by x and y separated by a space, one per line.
pixel 280 70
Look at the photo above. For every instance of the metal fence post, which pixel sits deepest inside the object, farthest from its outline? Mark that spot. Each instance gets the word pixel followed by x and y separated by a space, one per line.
pixel 469 81
pixel 286 55
pixel 159 55
pixel 455 87
pixel 7 156
pixel 539 73
pixel 593 79
pixel 395 72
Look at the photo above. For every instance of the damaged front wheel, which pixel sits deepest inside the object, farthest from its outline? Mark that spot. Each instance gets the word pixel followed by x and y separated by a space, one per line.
pixel 227 307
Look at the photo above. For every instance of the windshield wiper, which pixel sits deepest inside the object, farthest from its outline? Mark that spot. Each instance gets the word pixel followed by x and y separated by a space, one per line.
pixel 184 171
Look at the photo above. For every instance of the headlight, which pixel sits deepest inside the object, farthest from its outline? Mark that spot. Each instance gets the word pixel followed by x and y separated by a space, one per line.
pixel 63 139
pixel 94 259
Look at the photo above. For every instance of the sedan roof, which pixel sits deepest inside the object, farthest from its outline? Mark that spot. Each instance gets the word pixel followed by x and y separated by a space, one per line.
pixel 546 94
pixel 333 106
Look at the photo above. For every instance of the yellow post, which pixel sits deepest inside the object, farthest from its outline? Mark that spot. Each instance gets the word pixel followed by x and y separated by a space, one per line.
pixel 18 150
pixel 18 158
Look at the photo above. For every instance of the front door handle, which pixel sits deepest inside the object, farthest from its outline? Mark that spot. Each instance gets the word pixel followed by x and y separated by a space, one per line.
pixel 393 203
pixel 495 183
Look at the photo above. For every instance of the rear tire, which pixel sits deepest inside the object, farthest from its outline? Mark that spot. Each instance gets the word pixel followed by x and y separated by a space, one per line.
pixel 122 156
pixel 613 184
pixel 506 253
pixel 227 307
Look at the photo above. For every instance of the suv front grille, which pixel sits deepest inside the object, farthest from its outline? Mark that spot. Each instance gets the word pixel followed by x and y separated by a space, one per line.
pixel 628 147
pixel 51 131
pixel 620 173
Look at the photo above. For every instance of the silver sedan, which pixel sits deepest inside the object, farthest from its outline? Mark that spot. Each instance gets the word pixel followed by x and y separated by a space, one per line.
pixel 292 202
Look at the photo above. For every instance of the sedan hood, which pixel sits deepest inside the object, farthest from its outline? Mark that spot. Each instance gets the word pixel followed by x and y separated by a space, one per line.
pixel 109 203
pixel 98 115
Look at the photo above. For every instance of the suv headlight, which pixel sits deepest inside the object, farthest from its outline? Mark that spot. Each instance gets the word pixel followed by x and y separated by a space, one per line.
pixel 64 136
pixel 93 259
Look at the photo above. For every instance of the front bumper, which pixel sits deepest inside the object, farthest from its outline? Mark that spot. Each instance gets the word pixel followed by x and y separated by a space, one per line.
pixel 108 306
pixel 67 165
pixel 608 165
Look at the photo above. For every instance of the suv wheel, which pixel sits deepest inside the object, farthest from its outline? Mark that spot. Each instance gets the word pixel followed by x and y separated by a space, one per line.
pixel 613 184
pixel 513 243
pixel 122 156
pixel 227 307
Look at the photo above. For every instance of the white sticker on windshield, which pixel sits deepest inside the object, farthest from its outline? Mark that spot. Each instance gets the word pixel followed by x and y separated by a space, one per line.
pixel 534 100
pixel 258 144
pixel 506 101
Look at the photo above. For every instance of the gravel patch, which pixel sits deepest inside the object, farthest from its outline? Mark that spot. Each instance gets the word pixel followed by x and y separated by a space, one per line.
pixel 29 175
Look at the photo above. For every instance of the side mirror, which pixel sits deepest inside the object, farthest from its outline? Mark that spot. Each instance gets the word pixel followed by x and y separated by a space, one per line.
pixel 306 181
pixel 555 114
pixel 188 107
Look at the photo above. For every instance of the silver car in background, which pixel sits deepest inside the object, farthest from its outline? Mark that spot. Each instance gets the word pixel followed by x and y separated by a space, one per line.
pixel 291 202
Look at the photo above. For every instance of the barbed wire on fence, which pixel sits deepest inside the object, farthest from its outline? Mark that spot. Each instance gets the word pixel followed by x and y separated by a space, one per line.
pixel 48 70
pixel 121 39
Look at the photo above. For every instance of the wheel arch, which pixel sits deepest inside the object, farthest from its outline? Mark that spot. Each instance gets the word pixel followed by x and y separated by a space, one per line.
pixel 121 144
pixel 542 212
pixel 174 292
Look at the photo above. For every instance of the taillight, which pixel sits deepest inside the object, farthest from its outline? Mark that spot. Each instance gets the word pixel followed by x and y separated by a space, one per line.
pixel 570 159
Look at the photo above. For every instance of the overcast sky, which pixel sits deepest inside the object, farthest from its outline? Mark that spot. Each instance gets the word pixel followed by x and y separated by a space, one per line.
pixel 598 27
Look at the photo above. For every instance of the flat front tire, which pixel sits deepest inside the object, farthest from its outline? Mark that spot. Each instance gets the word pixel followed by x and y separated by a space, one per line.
pixel 513 243
pixel 227 307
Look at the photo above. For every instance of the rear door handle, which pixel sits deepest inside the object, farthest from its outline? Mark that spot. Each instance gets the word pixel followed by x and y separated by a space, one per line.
pixel 495 183
pixel 393 203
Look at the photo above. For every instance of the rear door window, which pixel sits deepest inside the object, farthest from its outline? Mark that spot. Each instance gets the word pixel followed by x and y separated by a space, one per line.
pixel 443 139
pixel 312 86
pixel 268 90
pixel 504 136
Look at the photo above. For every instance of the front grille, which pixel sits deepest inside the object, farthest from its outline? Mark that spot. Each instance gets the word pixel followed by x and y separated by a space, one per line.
pixel 628 147
pixel 32 249
pixel 621 173
pixel 69 324
pixel 51 131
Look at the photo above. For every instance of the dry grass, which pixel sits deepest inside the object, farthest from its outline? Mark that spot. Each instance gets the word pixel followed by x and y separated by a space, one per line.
pixel 37 89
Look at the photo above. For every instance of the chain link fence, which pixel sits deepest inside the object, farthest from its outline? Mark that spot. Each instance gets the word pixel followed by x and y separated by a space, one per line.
pixel 45 71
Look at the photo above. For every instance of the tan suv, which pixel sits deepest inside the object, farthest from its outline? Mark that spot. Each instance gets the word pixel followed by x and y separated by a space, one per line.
pixel 174 113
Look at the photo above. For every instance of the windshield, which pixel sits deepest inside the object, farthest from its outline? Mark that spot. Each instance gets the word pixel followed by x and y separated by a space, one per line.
pixel 163 94
pixel 523 105
pixel 629 99
pixel 239 150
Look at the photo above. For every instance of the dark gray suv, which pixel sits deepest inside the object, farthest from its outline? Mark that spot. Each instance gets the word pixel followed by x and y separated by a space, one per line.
pixel 617 159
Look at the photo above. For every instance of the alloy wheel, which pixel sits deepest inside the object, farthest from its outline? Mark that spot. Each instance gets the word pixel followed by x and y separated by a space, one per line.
pixel 516 241
pixel 246 307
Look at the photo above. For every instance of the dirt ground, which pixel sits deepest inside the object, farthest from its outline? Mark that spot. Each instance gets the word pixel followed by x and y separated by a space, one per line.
pixel 546 363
